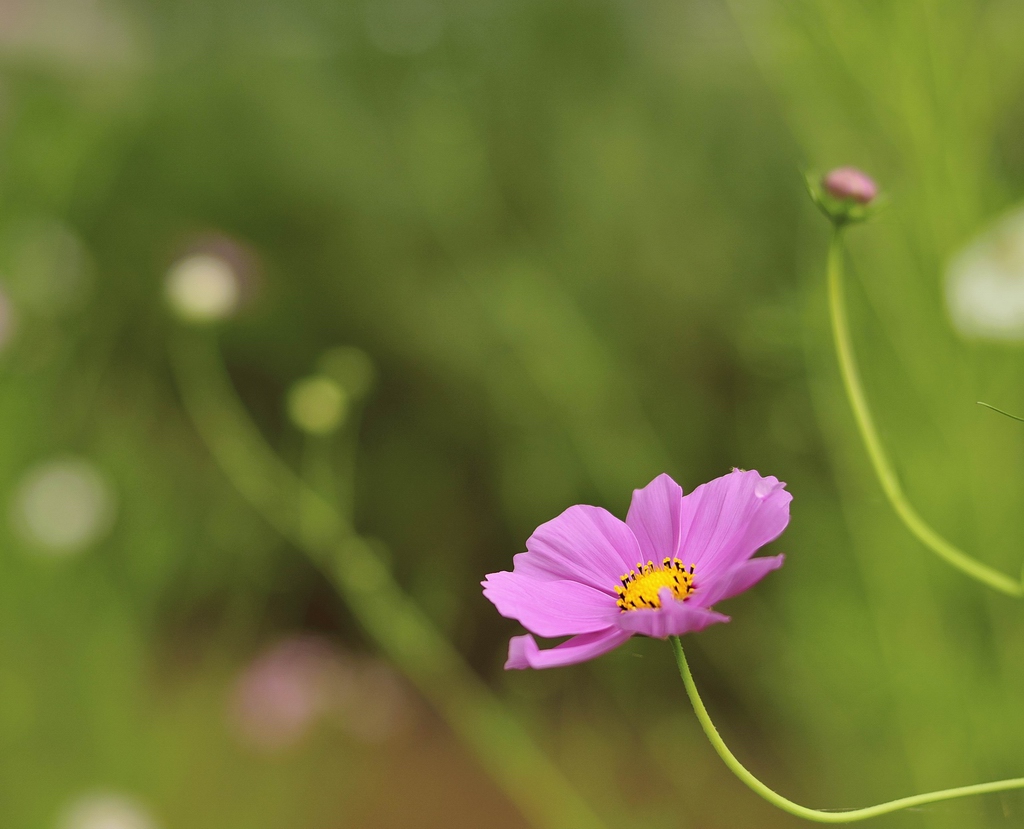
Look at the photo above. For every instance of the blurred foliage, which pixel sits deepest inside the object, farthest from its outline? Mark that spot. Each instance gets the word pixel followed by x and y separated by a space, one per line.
pixel 573 237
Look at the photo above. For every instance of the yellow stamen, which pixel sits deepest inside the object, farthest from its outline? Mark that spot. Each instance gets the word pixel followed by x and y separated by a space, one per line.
pixel 640 587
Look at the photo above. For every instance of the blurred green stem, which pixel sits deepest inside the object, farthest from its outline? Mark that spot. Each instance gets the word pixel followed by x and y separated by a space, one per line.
pixel 817 815
pixel 879 460
pixel 393 621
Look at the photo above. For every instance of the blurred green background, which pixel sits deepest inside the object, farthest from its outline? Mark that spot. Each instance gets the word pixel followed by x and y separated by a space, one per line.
pixel 572 237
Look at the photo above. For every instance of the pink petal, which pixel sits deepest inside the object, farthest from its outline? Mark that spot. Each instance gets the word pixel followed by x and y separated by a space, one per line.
pixel 734 581
pixel 673 618
pixel 550 608
pixel 654 518
pixel 725 521
pixel 524 653
pixel 584 544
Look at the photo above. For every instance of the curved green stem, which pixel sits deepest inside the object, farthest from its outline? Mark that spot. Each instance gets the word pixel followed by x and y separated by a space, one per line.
pixel 392 619
pixel 818 815
pixel 879 460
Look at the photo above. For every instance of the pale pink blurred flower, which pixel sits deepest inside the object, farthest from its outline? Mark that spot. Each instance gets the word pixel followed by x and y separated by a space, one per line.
pixel 282 692
pixel 303 680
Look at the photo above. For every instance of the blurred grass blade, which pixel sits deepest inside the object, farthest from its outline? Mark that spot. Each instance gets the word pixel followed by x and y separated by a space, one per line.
pixel 398 627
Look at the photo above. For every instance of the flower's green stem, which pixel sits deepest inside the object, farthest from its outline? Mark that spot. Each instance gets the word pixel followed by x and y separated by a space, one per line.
pixel 879 460
pixel 393 621
pixel 817 815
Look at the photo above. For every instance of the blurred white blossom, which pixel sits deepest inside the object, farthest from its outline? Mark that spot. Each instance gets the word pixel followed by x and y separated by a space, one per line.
pixel 985 283
pixel 105 811
pixel 203 287
pixel 62 506
pixel 47 269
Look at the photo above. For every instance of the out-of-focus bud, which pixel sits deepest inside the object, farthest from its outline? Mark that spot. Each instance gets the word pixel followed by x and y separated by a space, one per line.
pixel 985 283
pixel 105 811
pixel 850 183
pixel 845 195
pixel 317 405
pixel 351 368
pixel 62 506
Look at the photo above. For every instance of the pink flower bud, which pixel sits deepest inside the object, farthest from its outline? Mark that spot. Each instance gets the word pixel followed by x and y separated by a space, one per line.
pixel 850 183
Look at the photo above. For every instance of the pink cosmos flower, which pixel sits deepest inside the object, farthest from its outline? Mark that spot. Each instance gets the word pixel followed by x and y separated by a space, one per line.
pixel 588 575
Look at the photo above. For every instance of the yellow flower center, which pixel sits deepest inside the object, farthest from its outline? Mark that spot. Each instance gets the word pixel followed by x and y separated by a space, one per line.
pixel 640 587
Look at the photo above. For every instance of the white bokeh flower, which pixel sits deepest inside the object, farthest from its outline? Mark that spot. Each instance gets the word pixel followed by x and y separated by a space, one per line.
pixel 203 287
pixel 47 269
pixel 985 283
pixel 62 506
pixel 105 811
